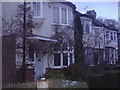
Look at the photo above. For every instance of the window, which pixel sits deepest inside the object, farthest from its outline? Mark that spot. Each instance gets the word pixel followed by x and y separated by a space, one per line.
pixel 107 53
pixel 64 16
pixel 57 59
pixel 57 47
pixel 65 59
pixel 31 53
pixel 71 62
pixel 115 38
pixel 37 9
pixel 82 22
pixel 89 55
pixel 87 28
pixel 112 54
pixel 96 32
pixel 111 36
pixel 56 15
pixel 65 47
pixel 69 17
pixel 107 34
pixel 86 25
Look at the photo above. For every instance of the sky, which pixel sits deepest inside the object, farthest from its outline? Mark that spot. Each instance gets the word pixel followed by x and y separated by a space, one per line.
pixel 105 10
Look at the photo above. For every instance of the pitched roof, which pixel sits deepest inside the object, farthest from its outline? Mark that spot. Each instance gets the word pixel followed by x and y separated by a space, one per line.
pixel 98 23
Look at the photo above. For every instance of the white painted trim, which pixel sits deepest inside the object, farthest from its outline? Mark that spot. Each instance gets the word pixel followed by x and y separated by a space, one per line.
pixel 60 15
pixel 68 59
pixel 41 8
pixel 61 59
pixel 67 17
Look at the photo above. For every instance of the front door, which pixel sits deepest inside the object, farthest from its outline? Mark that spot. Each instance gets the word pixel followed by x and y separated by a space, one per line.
pixel 39 65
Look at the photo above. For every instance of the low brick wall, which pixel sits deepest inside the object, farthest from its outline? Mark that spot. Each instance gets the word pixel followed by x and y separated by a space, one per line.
pixel 29 75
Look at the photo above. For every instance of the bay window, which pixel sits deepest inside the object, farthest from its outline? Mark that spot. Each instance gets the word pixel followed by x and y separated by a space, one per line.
pixel 63 59
pixel 62 16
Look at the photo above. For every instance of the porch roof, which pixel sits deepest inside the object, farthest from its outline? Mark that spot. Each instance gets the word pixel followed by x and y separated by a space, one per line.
pixel 40 38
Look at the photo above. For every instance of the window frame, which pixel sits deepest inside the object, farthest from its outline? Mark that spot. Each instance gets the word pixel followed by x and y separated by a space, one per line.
pixel 62 57
pixel 98 31
pixel 60 16
pixel 111 36
pixel 115 36
pixel 85 22
pixel 107 33
pixel 41 10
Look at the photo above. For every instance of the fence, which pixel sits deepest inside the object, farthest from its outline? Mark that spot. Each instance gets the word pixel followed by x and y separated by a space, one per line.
pixel 8 85
pixel 34 85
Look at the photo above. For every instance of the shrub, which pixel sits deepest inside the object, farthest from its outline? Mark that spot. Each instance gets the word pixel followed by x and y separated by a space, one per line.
pixel 74 73
pixel 54 75
pixel 109 79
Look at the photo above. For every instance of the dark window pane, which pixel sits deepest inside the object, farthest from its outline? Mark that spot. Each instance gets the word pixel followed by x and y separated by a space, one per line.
pixel 71 62
pixel 65 46
pixel 31 53
pixel 87 29
pixel 65 59
pixel 57 47
pixel 57 59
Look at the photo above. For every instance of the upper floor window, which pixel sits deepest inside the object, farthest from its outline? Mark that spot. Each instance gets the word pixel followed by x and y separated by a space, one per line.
pixel 37 9
pixel 111 36
pixel 115 37
pixel 70 17
pixel 87 28
pixel 107 34
pixel 56 15
pixel 86 25
pixel 62 16
pixel 96 32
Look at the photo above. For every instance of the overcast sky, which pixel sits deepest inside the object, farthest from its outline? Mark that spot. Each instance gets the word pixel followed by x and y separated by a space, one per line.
pixel 108 9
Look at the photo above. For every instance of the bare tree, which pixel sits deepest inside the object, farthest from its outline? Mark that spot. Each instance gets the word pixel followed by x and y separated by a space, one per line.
pixel 21 25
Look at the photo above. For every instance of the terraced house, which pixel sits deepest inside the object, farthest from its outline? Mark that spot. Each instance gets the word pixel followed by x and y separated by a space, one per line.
pixel 100 41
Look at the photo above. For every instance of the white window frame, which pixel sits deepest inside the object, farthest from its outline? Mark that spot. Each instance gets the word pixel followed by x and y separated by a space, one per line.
pixel 41 10
pixel 60 16
pixel 61 61
pixel 96 28
pixel 59 10
pixel 111 35
pixel 89 24
pixel 66 16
